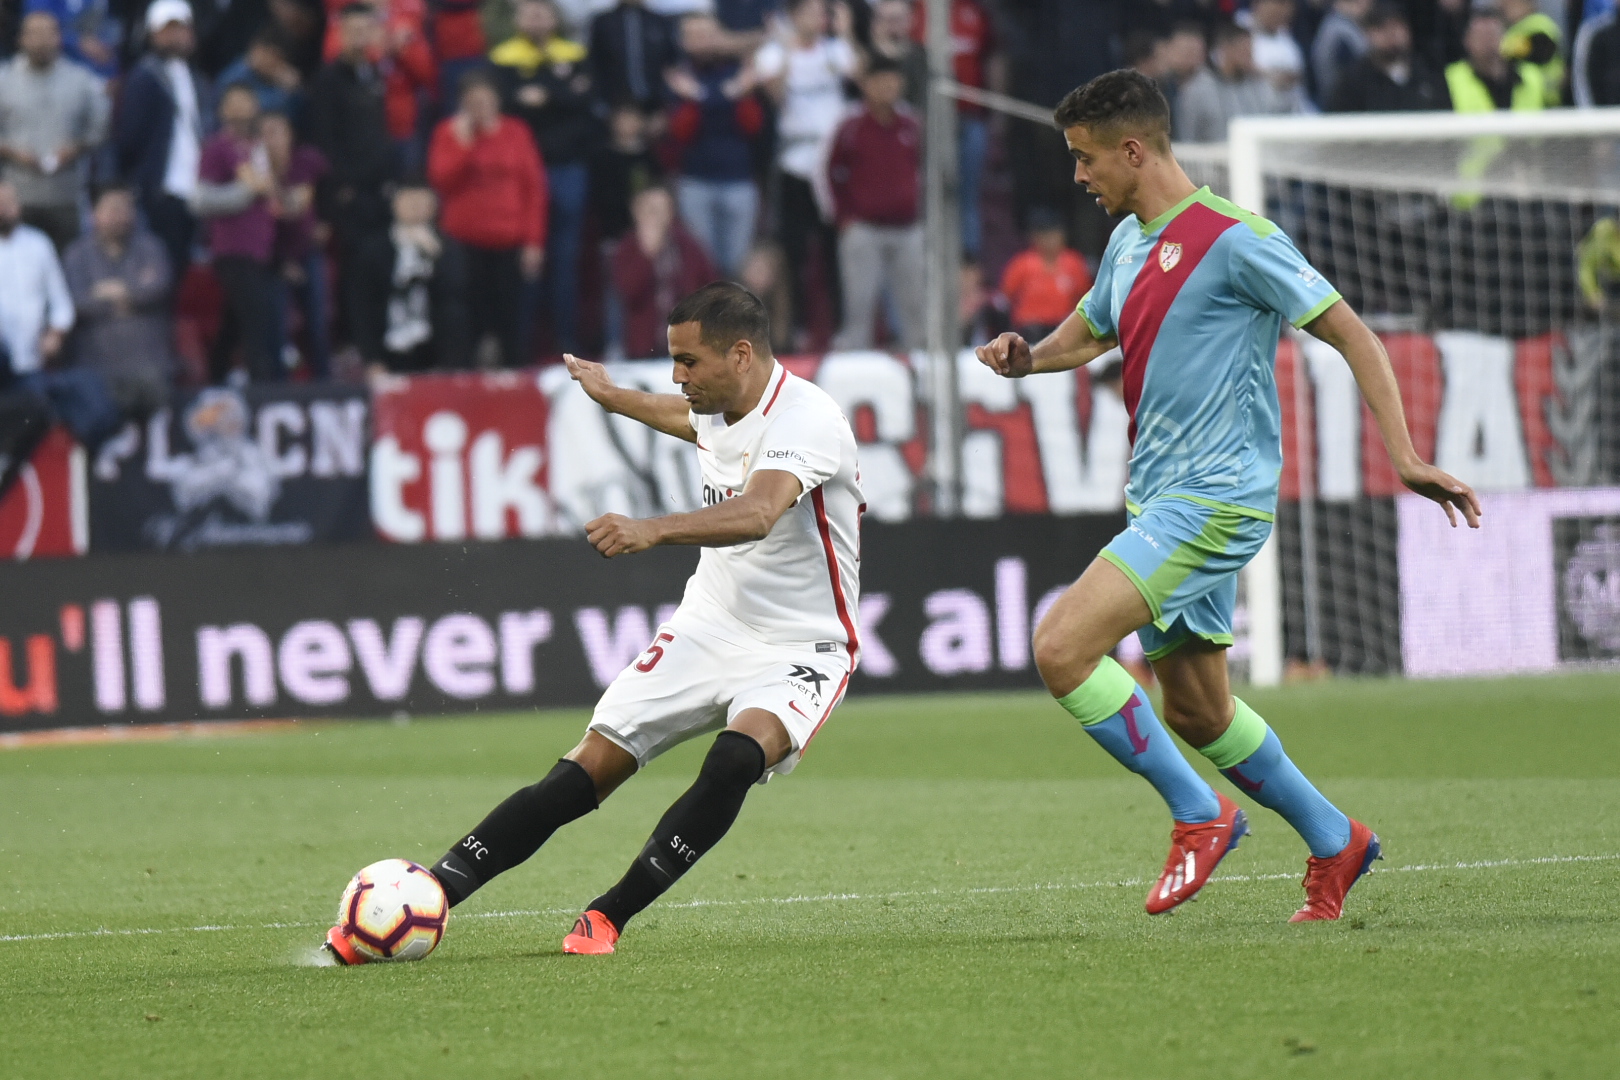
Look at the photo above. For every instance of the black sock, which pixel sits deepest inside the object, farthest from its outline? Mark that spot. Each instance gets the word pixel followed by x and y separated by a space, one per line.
pixel 515 829
pixel 689 828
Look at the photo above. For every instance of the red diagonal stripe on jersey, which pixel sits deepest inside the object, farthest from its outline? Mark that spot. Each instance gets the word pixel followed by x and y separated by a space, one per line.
pixel 1196 229
pixel 779 384
pixel 820 504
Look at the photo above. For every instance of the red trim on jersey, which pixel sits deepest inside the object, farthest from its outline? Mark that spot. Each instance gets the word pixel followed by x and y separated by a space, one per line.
pixel 778 390
pixel 1196 229
pixel 838 695
pixel 820 504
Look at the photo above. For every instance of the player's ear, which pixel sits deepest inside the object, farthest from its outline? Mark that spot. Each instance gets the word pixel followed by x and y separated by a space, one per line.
pixel 742 355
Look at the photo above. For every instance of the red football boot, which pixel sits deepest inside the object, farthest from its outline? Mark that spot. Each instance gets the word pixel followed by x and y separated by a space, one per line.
pixel 1328 880
pixel 592 935
pixel 341 950
pixel 1195 850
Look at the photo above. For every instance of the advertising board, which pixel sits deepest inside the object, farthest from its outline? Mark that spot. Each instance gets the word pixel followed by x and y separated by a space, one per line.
pixel 354 630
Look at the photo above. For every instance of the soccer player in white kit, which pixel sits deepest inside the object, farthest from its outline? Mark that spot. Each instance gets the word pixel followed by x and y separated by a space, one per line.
pixel 764 640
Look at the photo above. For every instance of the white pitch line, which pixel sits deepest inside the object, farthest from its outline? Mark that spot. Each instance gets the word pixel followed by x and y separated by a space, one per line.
pixel 1480 864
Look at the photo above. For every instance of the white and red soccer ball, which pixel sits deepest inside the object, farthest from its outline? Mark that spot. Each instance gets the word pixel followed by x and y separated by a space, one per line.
pixel 393 910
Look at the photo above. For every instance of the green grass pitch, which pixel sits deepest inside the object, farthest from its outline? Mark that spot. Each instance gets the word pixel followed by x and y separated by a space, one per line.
pixel 948 887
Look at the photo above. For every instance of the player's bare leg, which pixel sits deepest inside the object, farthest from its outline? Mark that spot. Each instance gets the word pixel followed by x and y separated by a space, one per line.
pixel 1199 706
pixel 1091 617
pixel 754 741
pixel 1072 645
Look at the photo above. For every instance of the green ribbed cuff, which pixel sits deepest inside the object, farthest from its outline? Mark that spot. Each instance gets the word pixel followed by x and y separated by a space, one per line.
pixel 1100 696
pixel 1240 739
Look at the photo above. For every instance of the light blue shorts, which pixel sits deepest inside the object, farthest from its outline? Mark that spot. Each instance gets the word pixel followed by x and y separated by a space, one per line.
pixel 1183 554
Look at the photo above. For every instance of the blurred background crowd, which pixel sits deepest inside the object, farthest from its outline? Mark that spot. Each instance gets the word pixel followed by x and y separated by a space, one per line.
pixel 248 191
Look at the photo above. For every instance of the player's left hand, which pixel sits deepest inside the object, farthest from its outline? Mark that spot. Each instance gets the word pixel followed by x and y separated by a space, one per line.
pixel 591 376
pixel 1445 489
pixel 615 534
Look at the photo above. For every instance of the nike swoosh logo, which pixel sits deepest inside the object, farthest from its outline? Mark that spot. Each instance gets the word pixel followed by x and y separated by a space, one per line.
pixel 794 706
pixel 656 867
pixel 453 870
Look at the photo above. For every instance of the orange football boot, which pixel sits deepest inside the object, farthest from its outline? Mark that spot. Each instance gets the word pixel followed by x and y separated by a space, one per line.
pixel 1195 850
pixel 345 953
pixel 1328 880
pixel 592 935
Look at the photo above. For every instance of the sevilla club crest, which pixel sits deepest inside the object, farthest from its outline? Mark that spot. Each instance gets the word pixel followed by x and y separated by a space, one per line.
pixel 1169 256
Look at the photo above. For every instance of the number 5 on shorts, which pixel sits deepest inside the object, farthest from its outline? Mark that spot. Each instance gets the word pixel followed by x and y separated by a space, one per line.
pixel 654 653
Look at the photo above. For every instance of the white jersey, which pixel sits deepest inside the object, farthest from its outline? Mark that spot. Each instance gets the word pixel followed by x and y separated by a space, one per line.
pixel 801 584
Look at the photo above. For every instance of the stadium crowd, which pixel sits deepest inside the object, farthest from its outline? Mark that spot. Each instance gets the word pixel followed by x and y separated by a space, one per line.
pixel 236 191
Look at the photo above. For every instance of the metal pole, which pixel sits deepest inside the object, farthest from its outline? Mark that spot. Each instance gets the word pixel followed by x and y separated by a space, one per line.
pixel 1263 576
pixel 944 245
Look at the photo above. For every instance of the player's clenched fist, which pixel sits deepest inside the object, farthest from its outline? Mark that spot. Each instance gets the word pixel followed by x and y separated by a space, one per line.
pixel 615 534
pixel 1008 356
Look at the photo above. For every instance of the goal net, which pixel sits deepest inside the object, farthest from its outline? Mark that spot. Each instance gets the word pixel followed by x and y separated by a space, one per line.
pixel 1479 248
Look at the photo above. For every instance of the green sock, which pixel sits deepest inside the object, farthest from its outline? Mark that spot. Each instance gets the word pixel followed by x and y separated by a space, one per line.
pixel 1115 711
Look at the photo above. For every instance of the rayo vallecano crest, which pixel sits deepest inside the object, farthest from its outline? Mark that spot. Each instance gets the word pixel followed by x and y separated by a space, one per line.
pixel 1169 255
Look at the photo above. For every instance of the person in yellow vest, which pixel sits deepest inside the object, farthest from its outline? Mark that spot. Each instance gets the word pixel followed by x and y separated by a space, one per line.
pixel 1532 37
pixel 1484 80
pixel 1599 262
pixel 546 83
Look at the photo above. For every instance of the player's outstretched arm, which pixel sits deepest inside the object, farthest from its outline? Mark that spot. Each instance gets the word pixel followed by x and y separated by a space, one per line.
pixel 668 413
pixel 1343 329
pixel 1069 346
pixel 740 520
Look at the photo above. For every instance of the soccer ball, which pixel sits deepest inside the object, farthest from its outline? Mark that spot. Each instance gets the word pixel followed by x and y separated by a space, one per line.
pixel 393 910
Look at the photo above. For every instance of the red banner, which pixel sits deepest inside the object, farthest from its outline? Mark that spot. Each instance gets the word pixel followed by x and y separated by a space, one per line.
pixel 460 455
pixel 46 513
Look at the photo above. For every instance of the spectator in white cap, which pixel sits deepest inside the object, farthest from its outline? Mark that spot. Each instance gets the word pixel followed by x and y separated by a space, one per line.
pixel 159 131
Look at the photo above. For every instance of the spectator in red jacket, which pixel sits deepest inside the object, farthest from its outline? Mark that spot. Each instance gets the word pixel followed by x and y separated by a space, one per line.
pixel 652 269
pixel 489 177
pixel 874 171
pixel 1043 283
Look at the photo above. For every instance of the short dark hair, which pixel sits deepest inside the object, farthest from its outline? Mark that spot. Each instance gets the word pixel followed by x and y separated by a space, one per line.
pixel 1230 31
pixel 726 313
pixel 270 35
pixel 1118 102
pixel 1382 14
pixel 478 76
pixel 882 65
pixel 357 7
pixel 114 187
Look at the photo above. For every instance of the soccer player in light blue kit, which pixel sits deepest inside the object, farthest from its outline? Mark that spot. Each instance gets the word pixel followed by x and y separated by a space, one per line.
pixel 1194 291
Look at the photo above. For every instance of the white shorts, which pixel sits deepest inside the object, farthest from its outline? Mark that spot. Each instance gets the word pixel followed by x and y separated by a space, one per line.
pixel 696 676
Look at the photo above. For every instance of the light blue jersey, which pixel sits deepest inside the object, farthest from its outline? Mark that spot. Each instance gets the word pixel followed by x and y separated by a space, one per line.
pixel 1196 298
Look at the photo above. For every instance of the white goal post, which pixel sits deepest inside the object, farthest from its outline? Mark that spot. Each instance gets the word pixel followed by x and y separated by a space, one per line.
pixel 1553 169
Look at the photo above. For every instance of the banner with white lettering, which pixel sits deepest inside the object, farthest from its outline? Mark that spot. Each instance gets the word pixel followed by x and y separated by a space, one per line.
pixel 506 454
pixel 235 468
pixel 353 630
pixel 509 454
